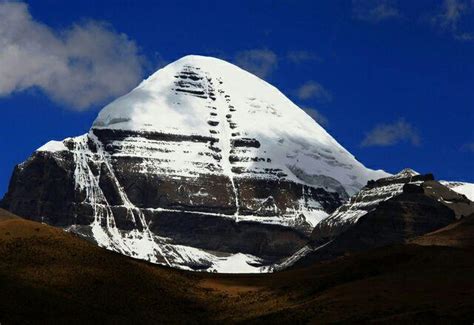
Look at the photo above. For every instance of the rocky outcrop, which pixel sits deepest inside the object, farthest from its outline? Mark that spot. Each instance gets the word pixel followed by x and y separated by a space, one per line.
pixel 389 211
pixel 368 199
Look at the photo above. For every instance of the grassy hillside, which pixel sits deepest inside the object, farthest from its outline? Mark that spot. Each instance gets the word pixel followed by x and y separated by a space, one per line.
pixel 48 275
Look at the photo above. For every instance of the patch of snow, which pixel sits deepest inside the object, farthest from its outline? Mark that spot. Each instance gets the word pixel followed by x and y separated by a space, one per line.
pixel 466 189
pixel 294 258
pixel 53 146
pixel 237 263
pixel 315 217
pixel 259 111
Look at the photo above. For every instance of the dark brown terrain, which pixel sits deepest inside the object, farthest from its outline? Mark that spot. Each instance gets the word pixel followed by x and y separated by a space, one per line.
pixel 50 276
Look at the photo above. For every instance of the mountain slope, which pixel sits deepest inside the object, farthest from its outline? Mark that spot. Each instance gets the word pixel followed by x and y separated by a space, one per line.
pixel 464 188
pixel 50 276
pixel 458 234
pixel 64 279
pixel 201 163
pixel 388 211
pixel 366 200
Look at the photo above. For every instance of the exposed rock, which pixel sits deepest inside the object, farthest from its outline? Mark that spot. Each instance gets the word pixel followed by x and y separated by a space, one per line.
pixel 363 202
pixel 389 211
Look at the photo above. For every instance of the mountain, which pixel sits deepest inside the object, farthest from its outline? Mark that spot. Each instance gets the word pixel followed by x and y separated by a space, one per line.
pixel 464 188
pixel 51 276
pixel 366 200
pixel 387 211
pixel 203 166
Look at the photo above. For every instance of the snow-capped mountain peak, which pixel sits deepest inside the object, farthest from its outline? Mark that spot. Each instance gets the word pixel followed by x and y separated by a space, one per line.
pixel 208 97
pixel 201 166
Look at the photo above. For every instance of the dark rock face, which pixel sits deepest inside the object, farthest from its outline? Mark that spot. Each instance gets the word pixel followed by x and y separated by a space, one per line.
pixel 43 188
pixel 88 184
pixel 223 234
pixel 365 201
pixel 420 209
pixel 459 203
pixel 405 176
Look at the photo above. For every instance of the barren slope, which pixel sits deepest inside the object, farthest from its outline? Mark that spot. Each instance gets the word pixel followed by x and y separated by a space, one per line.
pixel 48 275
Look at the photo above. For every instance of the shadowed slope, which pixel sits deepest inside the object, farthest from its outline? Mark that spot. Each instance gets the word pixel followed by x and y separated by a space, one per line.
pixel 4 215
pixel 458 234
pixel 48 275
pixel 416 208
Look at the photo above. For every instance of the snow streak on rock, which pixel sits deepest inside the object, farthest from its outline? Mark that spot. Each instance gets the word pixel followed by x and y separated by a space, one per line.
pixel 139 242
pixel 369 198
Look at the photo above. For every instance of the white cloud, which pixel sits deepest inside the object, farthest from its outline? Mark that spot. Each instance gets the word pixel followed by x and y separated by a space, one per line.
pixel 261 62
pixel 80 66
pixel 317 116
pixel 375 10
pixel 384 135
pixel 450 16
pixel 451 13
pixel 313 89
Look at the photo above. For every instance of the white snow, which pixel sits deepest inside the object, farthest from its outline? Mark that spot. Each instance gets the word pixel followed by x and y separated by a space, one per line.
pixel 315 217
pixel 289 137
pixel 287 262
pixel 466 189
pixel 237 263
pixel 53 146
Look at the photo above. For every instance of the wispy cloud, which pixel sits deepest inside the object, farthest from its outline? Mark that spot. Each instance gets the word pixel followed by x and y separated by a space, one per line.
pixel 468 147
pixel 79 66
pixel 384 135
pixel 261 62
pixel 299 57
pixel 375 11
pixel 313 89
pixel 450 15
pixel 317 116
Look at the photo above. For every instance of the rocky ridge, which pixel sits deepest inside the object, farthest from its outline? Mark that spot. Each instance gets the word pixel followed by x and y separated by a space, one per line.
pixel 391 210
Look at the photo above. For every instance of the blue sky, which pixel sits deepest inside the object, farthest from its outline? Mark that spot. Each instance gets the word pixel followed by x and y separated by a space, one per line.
pixel 392 81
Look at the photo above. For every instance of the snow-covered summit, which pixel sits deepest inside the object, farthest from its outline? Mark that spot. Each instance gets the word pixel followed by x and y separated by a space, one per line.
pixel 205 96
pixel 158 104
